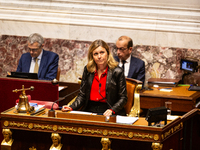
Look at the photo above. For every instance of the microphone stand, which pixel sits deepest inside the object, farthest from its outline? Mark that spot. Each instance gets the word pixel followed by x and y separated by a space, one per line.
pixel 51 112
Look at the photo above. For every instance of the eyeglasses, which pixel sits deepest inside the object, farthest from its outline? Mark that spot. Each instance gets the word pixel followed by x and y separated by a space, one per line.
pixel 120 49
pixel 33 50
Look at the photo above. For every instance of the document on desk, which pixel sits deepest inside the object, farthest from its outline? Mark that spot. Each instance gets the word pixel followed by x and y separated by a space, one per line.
pixel 81 112
pixel 126 119
pixel 166 89
pixel 60 88
pixel 170 117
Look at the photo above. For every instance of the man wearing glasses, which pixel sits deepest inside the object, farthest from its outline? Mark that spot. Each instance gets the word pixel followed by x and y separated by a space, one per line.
pixel 133 67
pixel 37 60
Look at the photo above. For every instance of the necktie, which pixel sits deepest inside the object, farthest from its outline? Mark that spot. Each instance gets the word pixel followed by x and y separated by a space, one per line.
pixel 123 62
pixel 36 66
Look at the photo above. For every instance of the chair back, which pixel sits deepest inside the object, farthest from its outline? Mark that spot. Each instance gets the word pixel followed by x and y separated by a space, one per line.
pixel 132 106
pixel 58 74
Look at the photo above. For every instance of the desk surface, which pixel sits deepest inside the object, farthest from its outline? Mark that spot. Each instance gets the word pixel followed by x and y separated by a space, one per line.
pixel 182 99
pixel 177 92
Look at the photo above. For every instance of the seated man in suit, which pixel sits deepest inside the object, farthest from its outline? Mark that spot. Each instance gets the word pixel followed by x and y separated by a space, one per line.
pixel 37 60
pixel 133 67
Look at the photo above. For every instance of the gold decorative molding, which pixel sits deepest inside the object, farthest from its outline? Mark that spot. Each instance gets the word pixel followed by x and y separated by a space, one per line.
pixel 106 144
pixel 18 124
pixel 156 137
pixel 7 141
pixel 157 146
pixel 172 130
pixel 130 135
pixel 55 128
pixel 81 130
pixel 32 148
pixel 30 126
pixel 6 123
pixel 105 132
pixel 37 126
pixel 56 142
pixel 143 136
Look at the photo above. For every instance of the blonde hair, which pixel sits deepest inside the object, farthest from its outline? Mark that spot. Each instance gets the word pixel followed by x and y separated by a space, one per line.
pixel 91 66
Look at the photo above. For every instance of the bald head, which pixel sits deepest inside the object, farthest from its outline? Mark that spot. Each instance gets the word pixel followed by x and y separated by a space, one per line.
pixel 124 47
pixel 129 41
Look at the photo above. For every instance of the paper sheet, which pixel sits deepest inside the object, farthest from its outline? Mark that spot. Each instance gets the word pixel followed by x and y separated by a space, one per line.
pixel 171 117
pixel 60 88
pixel 126 120
pixel 81 112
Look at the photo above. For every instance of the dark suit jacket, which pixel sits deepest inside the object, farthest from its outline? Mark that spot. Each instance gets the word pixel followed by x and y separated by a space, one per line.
pixel 137 69
pixel 48 65
pixel 116 93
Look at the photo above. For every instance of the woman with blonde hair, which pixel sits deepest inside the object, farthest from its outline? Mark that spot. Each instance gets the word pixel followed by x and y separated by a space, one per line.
pixel 103 86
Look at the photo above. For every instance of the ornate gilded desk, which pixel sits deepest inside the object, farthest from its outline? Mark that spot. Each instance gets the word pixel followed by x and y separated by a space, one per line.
pixel 34 133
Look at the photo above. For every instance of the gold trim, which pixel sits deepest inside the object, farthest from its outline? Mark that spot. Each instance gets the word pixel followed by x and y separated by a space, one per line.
pixel 30 126
pixel 55 127
pixel 157 146
pixel 80 130
pixel 130 135
pixel 156 137
pixel 6 123
pixel 135 110
pixel 105 132
pixel 172 130
pixel 32 148
pixel 138 135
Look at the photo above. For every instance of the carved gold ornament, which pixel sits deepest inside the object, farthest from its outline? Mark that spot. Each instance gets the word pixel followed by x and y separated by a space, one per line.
pixel 93 131
pixel 55 128
pixel 7 141
pixel 80 130
pixel 6 123
pixel 130 135
pixel 156 137
pixel 105 132
pixel 157 146
pixel 30 126
pixel 32 148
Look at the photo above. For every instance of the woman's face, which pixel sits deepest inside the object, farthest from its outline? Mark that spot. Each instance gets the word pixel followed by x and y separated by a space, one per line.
pixel 100 56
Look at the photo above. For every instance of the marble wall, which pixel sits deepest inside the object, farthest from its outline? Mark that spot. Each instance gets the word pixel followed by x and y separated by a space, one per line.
pixel 163 31
pixel 160 62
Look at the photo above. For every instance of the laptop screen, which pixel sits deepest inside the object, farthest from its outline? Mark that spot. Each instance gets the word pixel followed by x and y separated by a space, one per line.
pixel 23 75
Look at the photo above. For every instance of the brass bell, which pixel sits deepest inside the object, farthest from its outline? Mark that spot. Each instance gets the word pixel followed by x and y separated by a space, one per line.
pixel 23 104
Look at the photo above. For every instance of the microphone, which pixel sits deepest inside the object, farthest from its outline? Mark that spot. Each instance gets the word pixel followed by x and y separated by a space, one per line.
pixel 103 97
pixel 51 112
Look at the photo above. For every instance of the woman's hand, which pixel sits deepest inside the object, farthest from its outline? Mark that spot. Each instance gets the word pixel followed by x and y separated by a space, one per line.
pixel 107 113
pixel 66 108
